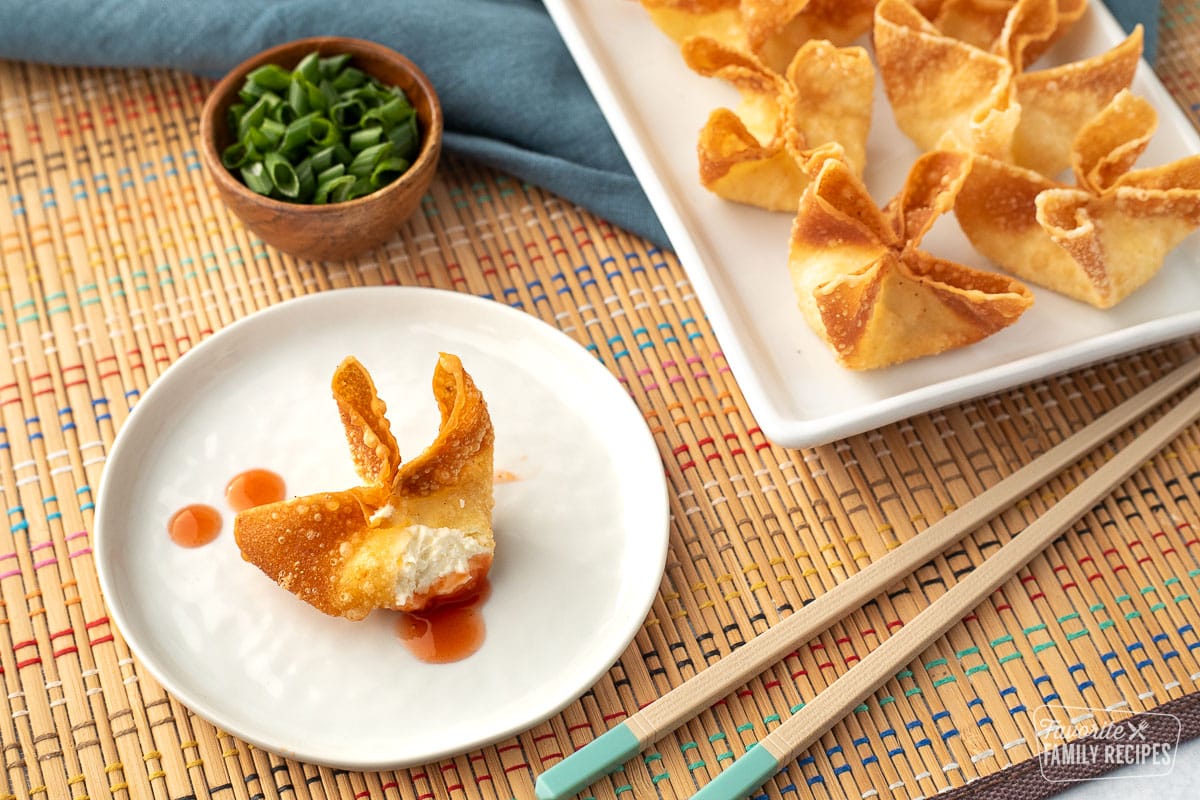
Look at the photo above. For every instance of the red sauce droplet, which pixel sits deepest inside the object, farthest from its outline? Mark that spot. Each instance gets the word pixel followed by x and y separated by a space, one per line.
pixel 194 525
pixel 448 632
pixel 254 487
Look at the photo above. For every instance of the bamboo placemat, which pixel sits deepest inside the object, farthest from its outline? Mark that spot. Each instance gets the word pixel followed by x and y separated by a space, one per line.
pixel 117 258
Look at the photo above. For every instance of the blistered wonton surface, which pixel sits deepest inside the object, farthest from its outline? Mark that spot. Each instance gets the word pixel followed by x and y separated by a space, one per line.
pixel 772 30
pixel 1020 30
pixel 865 286
pixel 753 154
pixel 337 550
pixel 1100 239
pixel 944 93
pixel 967 86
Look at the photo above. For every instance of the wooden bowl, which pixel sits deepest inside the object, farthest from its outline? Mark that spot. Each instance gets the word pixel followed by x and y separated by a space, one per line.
pixel 334 231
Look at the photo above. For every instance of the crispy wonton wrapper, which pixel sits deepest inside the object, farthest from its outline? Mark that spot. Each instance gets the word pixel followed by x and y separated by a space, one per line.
pixel 343 551
pixel 864 285
pixel 683 19
pixel 947 93
pixel 1020 30
pixel 943 92
pixel 1097 241
pixel 773 30
pixel 753 155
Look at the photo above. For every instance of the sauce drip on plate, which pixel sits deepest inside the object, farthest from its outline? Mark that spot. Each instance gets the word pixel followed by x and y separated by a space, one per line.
pixel 447 632
pixel 254 487
pixel 198 524
pixel 194 525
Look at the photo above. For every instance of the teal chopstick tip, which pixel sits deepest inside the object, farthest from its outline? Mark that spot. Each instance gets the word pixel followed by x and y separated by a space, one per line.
pixel 600 756
pixel 742 777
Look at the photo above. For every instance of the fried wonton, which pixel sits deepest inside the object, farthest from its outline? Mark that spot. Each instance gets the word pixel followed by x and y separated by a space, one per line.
pixel 947 93
pixel 944 93
pixel 1058 101
pixel 775 29
pixel 753 155
pixel 682 19
pixel 866 288
pixel 413 534
pixel 770 29
pixel 1020 30
pixel 1104 237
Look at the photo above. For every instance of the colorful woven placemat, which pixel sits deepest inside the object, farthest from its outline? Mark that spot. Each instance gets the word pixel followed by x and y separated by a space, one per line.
pixel 117 258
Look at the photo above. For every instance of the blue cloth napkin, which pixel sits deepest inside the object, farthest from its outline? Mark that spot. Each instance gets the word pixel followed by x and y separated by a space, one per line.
pixel 1131 12
pixel 511 93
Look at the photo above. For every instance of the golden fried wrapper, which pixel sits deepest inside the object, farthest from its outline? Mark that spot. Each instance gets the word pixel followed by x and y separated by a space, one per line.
pixel 736 167
pixel 348 552
pixel 770 29
pixel 1097 241
pixel 776 29
pixel 364 418
pixel 866 288
pixel 1019 30
pixel 944 94
pixel 834 87
pixel 1056 102
pixel 752 155
pixel 765 95
pixel 948 93
pixel 682 19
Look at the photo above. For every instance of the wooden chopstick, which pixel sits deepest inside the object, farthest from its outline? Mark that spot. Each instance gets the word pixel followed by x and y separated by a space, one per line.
pixel 839 699
pixel 622 742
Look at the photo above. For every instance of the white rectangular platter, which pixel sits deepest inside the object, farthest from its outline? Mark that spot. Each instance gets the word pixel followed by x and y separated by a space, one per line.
pixel 736 256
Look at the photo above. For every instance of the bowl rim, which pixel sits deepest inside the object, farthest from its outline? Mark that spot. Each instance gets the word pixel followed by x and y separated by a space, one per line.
pixel 232 80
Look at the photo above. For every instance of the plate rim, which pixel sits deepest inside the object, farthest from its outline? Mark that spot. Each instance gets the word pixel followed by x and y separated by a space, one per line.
pixel 194 701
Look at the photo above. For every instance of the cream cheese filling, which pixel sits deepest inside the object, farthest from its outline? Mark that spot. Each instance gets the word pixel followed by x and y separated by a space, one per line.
pixel 428 554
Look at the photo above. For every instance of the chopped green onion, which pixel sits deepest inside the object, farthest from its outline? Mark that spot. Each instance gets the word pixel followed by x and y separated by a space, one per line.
pixel 323 132
pixel 392 112
pixel 405 138
pixel 329 95
pixel 329 173
pixel 255 176
pixel 298 98
pixel 334 190
pixel 364 163
pixel 331 66
pixel 270 76
pixel 342 154
pixel 309 68
pixel 273 130
pixel 282 174
pixel 298 132
pixel 316 98
pixel 306 179
pixel 365 137
pixel 387 170
pixel 323 159
pixel 235 155
pixel 348 113
pixel 348 78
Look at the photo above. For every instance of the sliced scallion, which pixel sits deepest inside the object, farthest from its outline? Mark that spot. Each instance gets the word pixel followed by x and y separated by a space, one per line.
pixel 321 132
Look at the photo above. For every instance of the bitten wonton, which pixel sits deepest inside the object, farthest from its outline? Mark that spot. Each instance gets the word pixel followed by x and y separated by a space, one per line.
pixel 413 534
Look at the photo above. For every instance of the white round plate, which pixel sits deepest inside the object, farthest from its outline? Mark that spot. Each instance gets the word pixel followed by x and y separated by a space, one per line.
pixel 581 529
